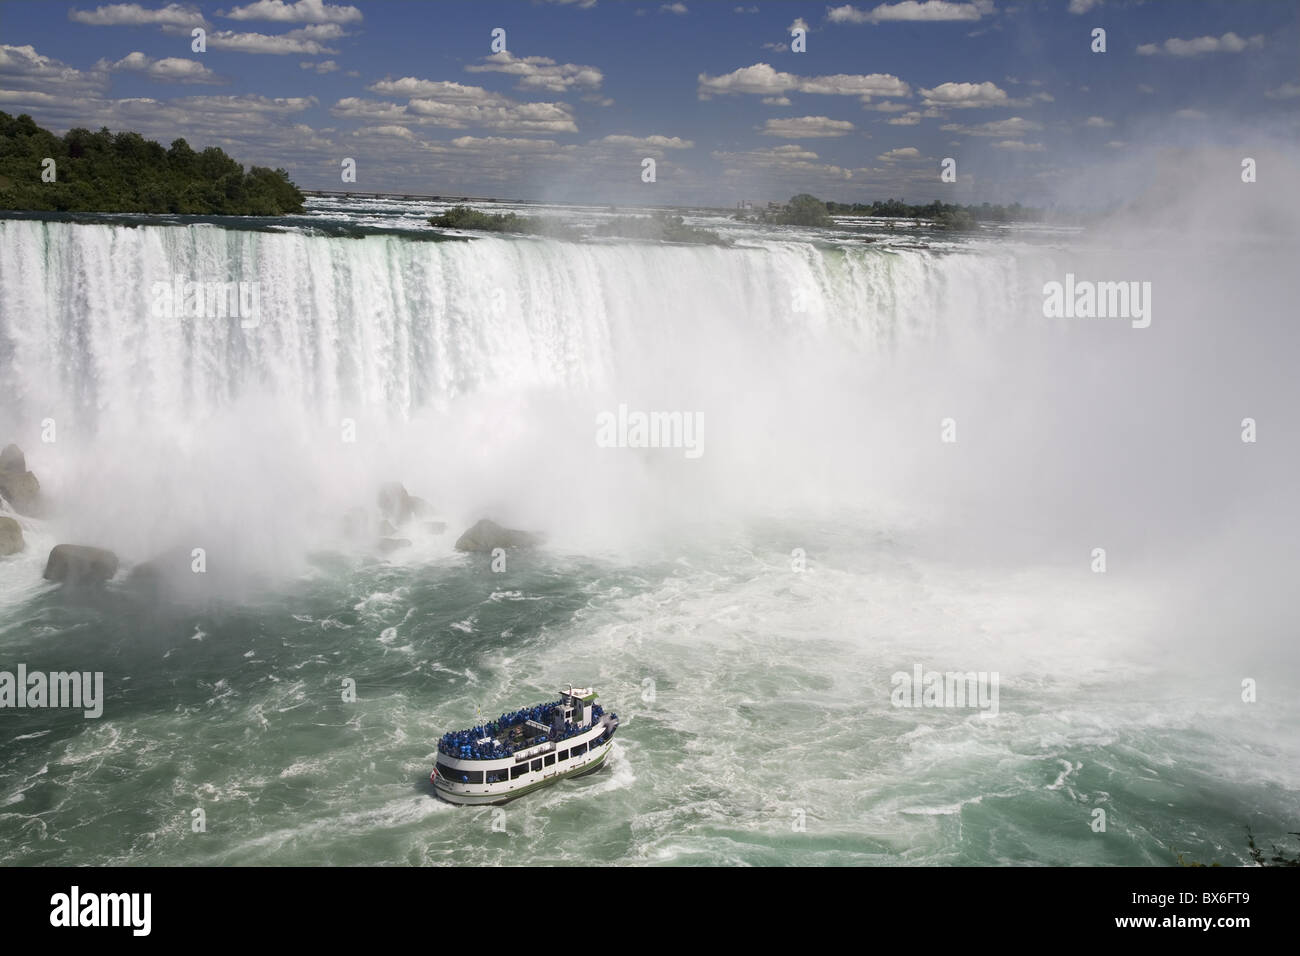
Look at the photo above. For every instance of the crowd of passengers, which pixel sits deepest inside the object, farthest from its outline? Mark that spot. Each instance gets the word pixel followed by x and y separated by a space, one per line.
pixel 465 743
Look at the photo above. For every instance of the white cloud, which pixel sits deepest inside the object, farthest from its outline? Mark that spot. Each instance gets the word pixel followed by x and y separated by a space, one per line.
pixel 470 107
pixel 762 80
pixel 1098 122
pixel 132 14
pixel 745 10
pixel 324 66
pixel 792 160
pixel 1228 43
pixel 412 87
pixel 401 132
pixel 904 152
pixel 966 96
pixel 928 10
pixel 304 11
pixel 1019 146
pixel 807 127
pixel 645 142
pixel 1284 92
pixel 677 8
pixel 172 69
pixel 888 106
pixel 1190 114
pixel 305 41
pixel 540 72
pixel 1014 126
pixel 776 101
pixel 1083 6
pixel 24 68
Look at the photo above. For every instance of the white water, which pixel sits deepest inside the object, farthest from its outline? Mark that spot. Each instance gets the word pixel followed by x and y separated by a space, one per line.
pixel 472 370
pixel 822 433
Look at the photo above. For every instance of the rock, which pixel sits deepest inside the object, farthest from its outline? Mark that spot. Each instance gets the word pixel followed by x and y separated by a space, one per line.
pixel 386 529
pixel 12 459
pixel 419 507
pixel 395 503
pixel 389 545
pixel 78 564
pixel 18 486
pixel 487 535
pixel 170 573
pixel 435 527
pixel 11 535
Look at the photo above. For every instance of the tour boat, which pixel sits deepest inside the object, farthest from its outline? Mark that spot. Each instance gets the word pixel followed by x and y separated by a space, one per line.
pixel 525 750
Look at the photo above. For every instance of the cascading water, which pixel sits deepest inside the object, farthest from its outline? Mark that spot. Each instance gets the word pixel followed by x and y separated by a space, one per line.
pixel 743 611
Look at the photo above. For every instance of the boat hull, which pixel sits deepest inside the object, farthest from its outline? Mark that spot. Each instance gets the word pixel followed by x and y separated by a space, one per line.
pixel 499 798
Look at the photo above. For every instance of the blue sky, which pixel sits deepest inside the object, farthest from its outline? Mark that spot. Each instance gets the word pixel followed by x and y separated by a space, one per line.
pixel 712 91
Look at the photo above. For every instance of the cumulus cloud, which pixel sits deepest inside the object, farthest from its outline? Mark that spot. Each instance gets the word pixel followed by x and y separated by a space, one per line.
pixel 1013 126
pixel 304 11
pixel 763 80
pixel 134 15
pixel 23 68
pixel 1019 146
pixel 805 127
pixel 903 152
pixel 645 142
pixel 1228 43
pixel 911 10
pixel 966 96
pixel 474 108
pixel 172 69
pixel 540 72
pixel 323 66
pixel 305 41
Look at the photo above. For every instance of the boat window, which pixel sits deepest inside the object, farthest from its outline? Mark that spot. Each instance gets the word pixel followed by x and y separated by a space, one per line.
pixel 564 755
pixel 518 770
pixel 537 764
pixel 452 775
pixel 550 759
pixel 579 750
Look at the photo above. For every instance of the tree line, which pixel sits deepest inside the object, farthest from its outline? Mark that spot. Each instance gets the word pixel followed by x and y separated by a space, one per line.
pixel 124 172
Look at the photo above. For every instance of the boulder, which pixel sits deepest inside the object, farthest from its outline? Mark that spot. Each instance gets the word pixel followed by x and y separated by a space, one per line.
pixel 11 536
pixel 169 574
pixel 12 459
pixel 397 506
pixel 394 503
pixel 78 564
pixel 488 535
pixel 18 486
